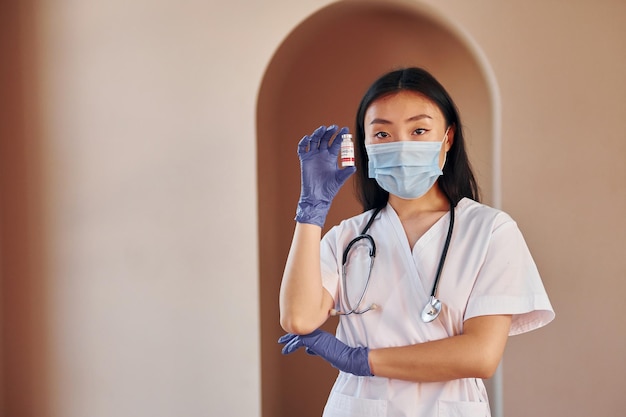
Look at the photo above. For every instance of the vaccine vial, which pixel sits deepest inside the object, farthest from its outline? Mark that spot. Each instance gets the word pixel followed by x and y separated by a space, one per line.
pixel 347 150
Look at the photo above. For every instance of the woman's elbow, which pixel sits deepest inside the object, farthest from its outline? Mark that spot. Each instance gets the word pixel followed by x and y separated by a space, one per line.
pixel 487 336
pixel 486 370
pixel 298 325
pixel 485 366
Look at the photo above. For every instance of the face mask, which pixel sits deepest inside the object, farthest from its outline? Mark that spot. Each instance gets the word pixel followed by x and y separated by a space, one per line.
pixel 407 169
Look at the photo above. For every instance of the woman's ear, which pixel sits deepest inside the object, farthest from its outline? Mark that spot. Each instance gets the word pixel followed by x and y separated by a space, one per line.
pixel 449 140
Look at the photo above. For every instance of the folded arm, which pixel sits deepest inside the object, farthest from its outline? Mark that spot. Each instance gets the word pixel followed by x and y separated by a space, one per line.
pixel 474 354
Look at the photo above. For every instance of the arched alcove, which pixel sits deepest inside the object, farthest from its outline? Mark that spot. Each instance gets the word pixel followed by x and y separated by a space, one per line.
pixel 317 76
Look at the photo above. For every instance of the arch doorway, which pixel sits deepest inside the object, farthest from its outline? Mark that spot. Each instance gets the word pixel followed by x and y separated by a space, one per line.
pixel 317 76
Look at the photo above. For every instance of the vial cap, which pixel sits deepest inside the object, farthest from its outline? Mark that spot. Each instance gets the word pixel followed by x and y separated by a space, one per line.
pixel 346 136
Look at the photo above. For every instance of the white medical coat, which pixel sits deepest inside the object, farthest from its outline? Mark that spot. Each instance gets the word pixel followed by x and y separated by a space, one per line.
pixel 488 270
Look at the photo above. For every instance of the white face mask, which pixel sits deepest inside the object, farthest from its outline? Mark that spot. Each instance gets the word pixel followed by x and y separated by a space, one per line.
pixel 407 169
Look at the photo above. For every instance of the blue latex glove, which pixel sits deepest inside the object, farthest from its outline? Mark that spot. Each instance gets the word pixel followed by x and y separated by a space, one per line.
pixel 320 173
pixel 337 353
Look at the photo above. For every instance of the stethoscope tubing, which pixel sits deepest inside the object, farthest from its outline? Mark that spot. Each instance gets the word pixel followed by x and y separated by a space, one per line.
pixel 344 260
pixel 432 309
pixel 444 252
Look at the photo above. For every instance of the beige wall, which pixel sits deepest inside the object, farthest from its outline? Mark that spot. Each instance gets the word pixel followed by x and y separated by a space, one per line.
pixel 147 114
pixel 560 67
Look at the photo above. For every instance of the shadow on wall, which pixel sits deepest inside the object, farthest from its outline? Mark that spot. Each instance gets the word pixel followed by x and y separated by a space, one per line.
pixel 23 340
pixel 317 77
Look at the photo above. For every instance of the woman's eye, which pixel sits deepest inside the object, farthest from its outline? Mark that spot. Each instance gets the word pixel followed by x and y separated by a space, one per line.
pixel 382 135
pixel 420 131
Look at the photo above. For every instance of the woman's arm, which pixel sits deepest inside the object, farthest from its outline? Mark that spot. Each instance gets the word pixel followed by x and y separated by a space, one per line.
pixel 474 354
pixel 304 302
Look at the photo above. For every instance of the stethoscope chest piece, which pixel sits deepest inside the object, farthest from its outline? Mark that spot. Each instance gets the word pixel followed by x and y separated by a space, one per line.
pixel 431 310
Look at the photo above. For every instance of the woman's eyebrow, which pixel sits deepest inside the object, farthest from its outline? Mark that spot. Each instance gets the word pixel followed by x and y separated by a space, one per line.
pixel 410 119
pixel 418 117
pixel 380 122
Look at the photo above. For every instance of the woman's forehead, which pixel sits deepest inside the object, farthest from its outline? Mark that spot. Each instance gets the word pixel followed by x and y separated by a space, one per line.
pixel 402 105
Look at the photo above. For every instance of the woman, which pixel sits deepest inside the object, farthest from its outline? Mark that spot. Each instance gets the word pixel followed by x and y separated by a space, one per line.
pixel 408 343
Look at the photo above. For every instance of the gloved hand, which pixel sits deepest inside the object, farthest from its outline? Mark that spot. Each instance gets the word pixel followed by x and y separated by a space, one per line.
pixel 321 176
pixel 337 353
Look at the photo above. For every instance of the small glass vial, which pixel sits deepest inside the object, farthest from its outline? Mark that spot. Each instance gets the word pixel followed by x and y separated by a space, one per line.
pixel 347 150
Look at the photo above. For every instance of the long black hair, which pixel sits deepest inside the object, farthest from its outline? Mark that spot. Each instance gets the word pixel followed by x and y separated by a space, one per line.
pixel 457 180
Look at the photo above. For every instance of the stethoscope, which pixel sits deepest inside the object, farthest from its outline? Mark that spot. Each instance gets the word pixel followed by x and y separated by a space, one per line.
pixel 433 307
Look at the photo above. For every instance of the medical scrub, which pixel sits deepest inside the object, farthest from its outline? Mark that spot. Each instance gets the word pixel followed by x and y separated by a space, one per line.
pixel 488 271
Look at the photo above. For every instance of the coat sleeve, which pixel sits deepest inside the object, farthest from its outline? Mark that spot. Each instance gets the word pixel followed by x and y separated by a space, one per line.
pixel 509 282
